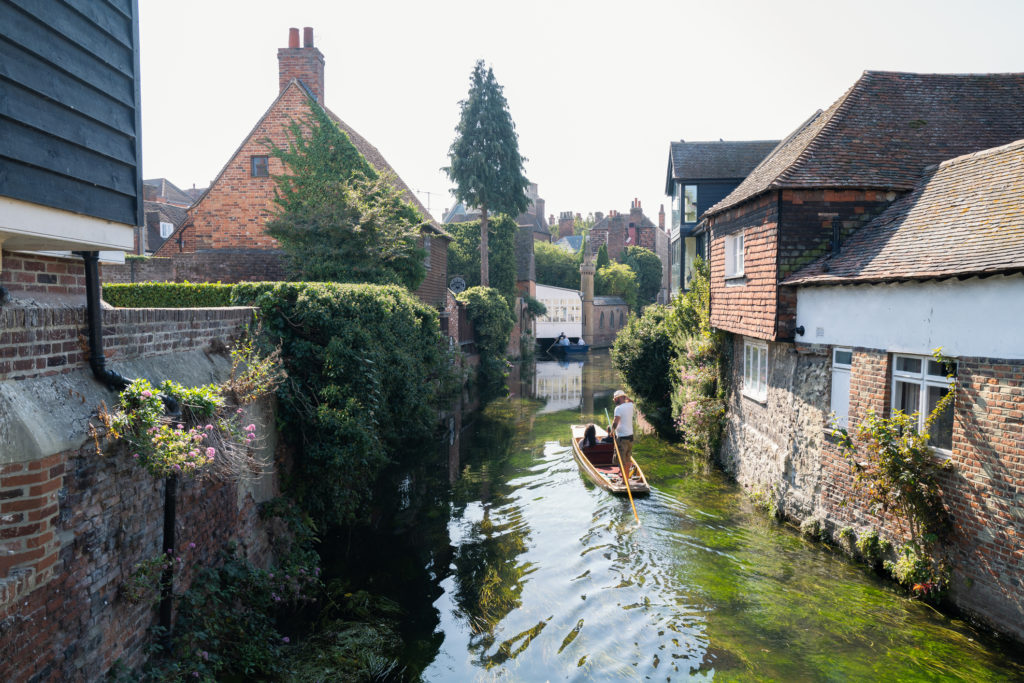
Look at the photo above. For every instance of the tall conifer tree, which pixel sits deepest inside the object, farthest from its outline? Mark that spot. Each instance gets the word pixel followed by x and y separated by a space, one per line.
pixel 484 158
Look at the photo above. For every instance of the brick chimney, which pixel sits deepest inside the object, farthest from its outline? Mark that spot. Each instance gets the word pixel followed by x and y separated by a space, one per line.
pixel 565 224
pixel 661 217
pixel 635 210
pixel 305 63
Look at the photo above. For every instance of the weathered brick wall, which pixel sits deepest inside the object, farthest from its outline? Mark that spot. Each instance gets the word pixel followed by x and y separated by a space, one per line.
pixel 223 265
pixel 784 445
pixel 74 524
pixel 747 305
pixel 46 341
pixel 806 220
pixel 782 232
pixel 34 274
pixel 64 613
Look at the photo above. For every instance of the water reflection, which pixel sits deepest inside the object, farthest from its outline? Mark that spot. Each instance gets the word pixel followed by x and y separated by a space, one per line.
pixel 522 570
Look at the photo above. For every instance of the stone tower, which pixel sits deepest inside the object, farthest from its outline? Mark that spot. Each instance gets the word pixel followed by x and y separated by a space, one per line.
pixel 587 269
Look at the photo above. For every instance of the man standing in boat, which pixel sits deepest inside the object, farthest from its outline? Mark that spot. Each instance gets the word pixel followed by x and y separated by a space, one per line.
pixel 622 425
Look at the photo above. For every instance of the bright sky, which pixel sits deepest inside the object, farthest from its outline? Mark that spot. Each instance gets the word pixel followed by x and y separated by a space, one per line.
pixel 597 88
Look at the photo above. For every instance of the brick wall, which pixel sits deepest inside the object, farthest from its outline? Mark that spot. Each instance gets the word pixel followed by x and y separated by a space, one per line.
pixel 806 220
pixel 74 524
pixel 231 215
pixel 47 275
pixel 747 305
pixel 64 614
pixel 38 342
pixel 784 445
pixel 782 232
pixel 223 265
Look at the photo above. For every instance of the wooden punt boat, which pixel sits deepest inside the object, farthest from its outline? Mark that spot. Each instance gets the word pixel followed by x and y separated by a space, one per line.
pixel 601 465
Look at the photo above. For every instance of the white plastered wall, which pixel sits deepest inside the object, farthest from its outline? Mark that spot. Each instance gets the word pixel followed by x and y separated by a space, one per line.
pixel 981 317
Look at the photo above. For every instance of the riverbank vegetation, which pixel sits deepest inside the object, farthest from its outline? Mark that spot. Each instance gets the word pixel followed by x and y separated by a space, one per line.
pixel 677 367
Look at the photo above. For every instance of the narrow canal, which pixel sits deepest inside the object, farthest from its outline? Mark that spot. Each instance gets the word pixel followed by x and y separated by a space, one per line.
pixel 511 566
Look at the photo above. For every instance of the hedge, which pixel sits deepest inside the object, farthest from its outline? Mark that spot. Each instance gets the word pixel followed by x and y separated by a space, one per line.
pixel 366 367
pixel 168 295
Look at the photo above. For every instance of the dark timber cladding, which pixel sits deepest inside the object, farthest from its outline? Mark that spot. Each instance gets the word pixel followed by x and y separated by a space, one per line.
pixel 69 106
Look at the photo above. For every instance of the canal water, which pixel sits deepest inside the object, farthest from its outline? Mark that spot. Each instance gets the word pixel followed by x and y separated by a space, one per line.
pixel 511 566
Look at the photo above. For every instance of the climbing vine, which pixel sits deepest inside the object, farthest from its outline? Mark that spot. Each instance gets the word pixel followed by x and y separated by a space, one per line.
pixel 896 472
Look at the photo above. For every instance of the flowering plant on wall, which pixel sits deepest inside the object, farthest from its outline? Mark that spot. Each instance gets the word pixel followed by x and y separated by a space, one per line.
pixel 207 432
pixel 187 443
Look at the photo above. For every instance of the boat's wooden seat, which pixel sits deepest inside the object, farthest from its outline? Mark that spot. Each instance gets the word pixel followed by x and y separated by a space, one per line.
pixel 601 454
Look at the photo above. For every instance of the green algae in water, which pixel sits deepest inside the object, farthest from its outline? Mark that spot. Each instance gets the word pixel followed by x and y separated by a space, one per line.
pixel 705 589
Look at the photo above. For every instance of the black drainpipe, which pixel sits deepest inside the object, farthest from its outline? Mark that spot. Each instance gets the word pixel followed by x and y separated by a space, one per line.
pixel 117 382
pixel 97 361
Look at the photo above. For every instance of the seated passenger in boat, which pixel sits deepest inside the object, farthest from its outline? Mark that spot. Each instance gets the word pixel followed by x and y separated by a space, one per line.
pixel 589 436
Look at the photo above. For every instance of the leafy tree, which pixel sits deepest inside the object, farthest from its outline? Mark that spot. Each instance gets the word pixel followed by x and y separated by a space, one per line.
pixel 602 257
pixel 337 218
pixel 556 266
pixel 617 279
pixel 464 254
pixel 485 163
pixel 647 266
pixel 643 354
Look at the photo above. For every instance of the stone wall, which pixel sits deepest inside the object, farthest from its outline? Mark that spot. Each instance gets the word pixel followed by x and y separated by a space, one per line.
pixel 783 447
pixel 74 523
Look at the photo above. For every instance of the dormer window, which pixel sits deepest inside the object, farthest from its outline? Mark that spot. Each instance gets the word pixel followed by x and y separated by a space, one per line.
pixel 260 166
pixel 166 229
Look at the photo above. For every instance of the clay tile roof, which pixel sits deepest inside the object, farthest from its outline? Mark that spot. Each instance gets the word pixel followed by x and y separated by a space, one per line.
pixel 715 160
pixel 887 128
pixel 964 218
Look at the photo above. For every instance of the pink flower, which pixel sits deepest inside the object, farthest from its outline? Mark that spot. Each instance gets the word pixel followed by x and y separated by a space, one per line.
pixel 136 456
pixel 191 545
pixel 250 428
pixel 146 394
pixel 239 411
pixel 180 427
pixel 208 428
pixel 210 452
pixel 286 639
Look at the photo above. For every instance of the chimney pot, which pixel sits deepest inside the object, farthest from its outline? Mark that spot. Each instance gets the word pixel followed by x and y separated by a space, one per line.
pixel 307 37
pixel 293 37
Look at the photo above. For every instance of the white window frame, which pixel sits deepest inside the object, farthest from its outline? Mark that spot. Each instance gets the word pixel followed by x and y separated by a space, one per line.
pixel 734 255
pixel 924 380
pixel 166 229
pixel 755 369
pixel 840 390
